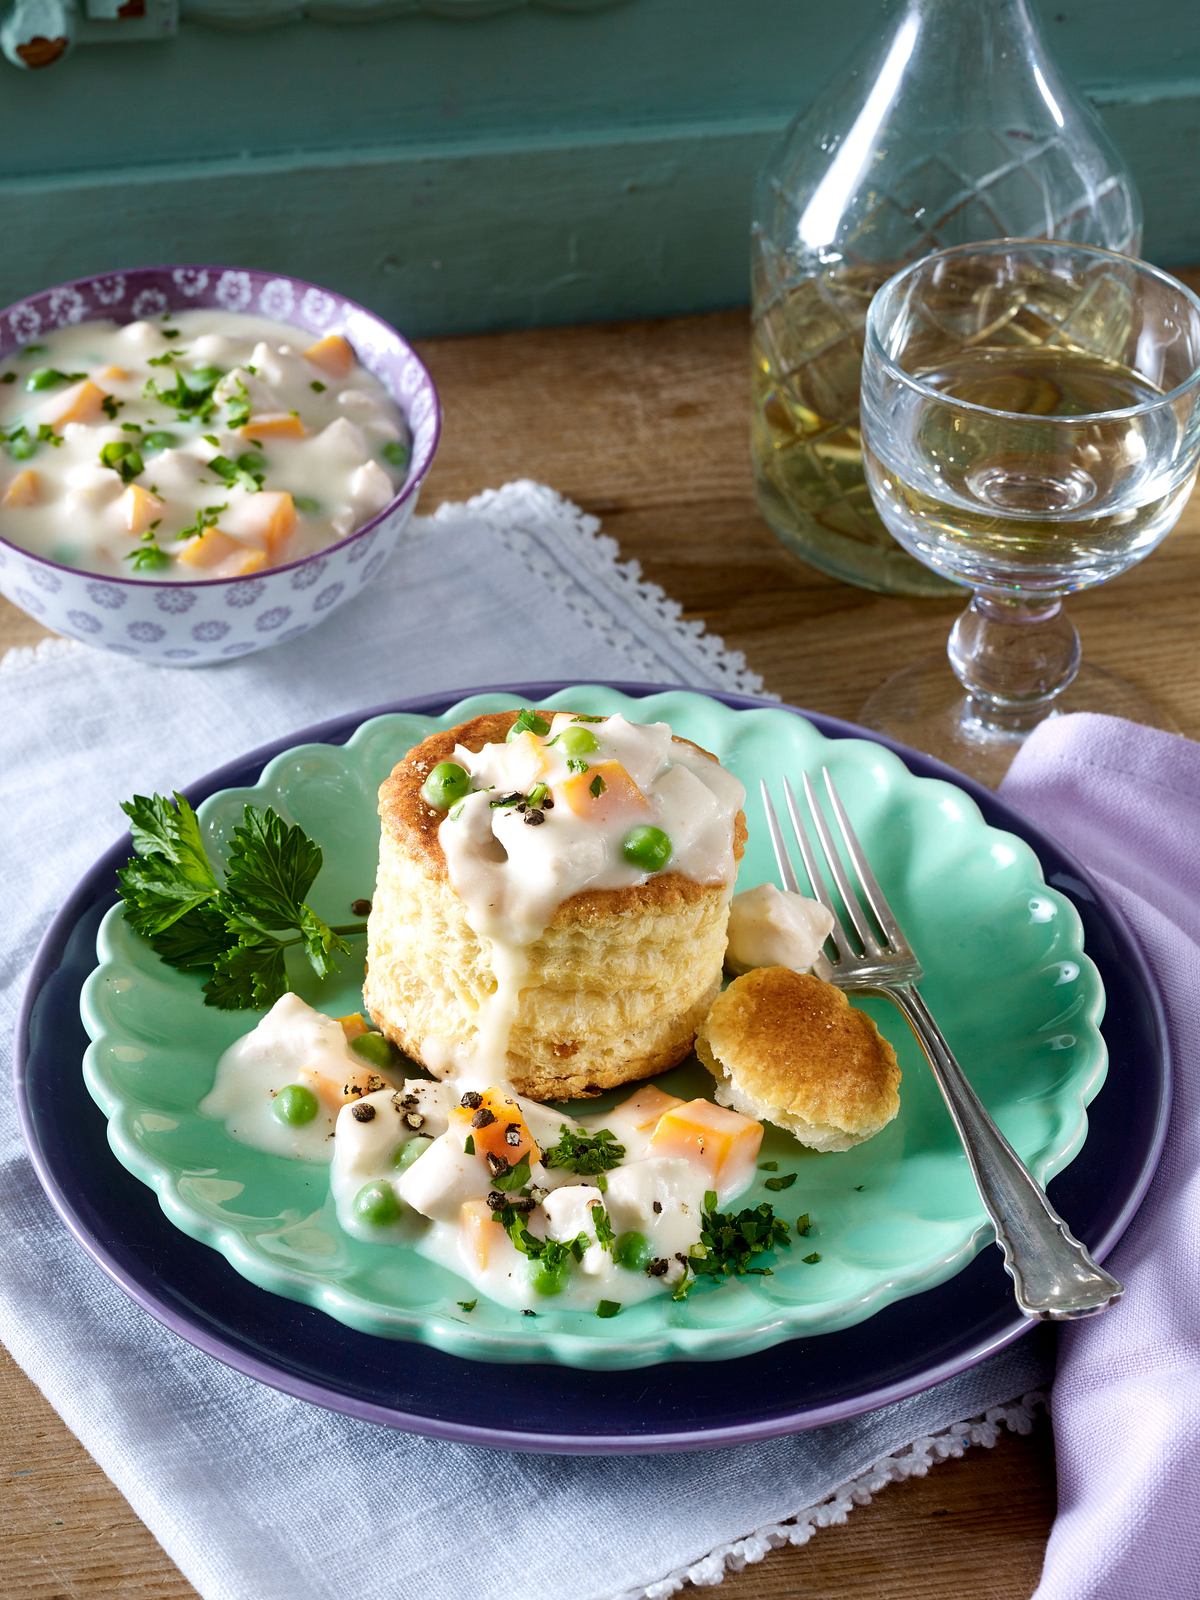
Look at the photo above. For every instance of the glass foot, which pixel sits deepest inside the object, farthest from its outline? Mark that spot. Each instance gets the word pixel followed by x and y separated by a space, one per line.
pixel 924 706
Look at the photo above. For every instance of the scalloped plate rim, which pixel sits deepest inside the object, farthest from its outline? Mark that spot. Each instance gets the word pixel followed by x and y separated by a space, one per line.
pixel 570 1347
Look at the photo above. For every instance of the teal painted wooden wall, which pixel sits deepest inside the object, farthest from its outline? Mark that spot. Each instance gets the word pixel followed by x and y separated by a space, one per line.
pixel 531 166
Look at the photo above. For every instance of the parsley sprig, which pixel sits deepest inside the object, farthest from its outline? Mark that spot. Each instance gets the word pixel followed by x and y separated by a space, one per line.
pixel 586 1153
pixel 227 927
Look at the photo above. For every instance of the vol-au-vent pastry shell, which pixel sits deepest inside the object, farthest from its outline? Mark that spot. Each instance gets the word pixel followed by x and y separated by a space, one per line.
pixel 613 989
pixel 787 1047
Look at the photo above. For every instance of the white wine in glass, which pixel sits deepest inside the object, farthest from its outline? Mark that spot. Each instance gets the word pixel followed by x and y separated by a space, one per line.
pixel 1031 425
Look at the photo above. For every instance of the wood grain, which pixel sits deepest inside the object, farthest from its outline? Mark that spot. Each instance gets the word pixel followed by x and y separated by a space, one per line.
pixel 644 424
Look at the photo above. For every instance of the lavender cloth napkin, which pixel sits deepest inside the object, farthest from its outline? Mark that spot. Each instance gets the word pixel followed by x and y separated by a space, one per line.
pixel 1126 1401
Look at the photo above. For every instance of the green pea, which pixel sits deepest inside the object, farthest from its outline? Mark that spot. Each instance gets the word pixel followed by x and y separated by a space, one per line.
pixel 647 847
pixel 295 1105
pixel 161 439
pixel 408 1152
pixel 396 454
pixel 376 1203
pixel 44 378
pixel 577 741
pixel 549 1280
pixel 373 1047
pixel 632 1250
pixel 21 446
pixel 447 783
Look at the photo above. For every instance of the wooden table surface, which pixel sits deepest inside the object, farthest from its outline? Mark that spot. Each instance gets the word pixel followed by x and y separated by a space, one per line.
pixel 645 425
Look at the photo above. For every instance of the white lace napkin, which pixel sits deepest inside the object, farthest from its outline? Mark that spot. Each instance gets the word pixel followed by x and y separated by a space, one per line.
pixel 258 1496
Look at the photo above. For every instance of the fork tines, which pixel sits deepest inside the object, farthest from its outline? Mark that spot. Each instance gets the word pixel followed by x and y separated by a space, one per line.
pixel 881 939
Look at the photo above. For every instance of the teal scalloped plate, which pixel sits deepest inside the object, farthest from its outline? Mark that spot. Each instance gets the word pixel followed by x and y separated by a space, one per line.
pixel 1006 976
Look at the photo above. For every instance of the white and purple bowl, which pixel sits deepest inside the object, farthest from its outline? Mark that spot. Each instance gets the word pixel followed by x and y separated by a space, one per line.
pixel 194 624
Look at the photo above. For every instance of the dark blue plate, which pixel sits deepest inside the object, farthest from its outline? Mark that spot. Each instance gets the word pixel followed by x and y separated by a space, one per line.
pixel 906 1347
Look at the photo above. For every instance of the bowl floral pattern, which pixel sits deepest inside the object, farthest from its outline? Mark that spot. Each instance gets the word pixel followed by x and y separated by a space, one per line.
pixel 192 624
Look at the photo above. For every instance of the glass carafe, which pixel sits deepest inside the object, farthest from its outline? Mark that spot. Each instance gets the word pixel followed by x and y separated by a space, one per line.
pixel 953 125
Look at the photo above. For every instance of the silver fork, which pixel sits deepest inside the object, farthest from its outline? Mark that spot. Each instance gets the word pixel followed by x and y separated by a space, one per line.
pixel 1054 1276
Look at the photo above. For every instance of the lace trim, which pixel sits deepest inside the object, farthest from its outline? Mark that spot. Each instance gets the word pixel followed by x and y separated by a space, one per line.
pixel 23 656
pixel 914 1461
pixel 522 515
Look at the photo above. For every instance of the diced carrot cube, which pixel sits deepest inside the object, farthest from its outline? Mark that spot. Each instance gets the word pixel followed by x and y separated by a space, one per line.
pixel 112 375
pixel 335 1092
pixel 82 402
pixel 723 1142
pixel 139 508
pixel 252 561
pixel 596 801
pixel 209 548
pixel 332 354
pixel 498 1128
pixel 24 490
pixel 479 1230
pixel 353 1025
pixel 272 514
pixel 275 425
pixel 648 1106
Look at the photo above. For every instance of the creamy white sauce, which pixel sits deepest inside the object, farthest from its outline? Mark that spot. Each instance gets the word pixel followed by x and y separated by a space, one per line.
pixel 62 502
pixel 770 927
pixel 415 1140
pixel 293 1044
pixel 512 876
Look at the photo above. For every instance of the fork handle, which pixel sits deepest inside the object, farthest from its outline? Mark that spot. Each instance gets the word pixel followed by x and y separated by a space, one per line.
pixel 1054 1276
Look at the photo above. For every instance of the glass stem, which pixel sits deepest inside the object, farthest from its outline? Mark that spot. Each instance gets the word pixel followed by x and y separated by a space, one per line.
pixel 1014 656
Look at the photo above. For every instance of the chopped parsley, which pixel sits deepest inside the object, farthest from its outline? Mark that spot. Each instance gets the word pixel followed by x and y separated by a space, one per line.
pixel 527 722
pixel 228 927
pixel 49 378
pixel 510 1178
pixel 124 458
pixel 306 502
pixel 148 557
pixel 469 1145
pixel 8 377
pixel 597 787
pixel 768 1166
pixel 803 1225
pixel 206 517
pixel 167 359
pixel 191 394
pixel 784 1182
pixel 576 764
pixel 585 1153
pixel 608 1308
pixel 21 444
pixel 316 386
pixel 396 454
pixel 467 1305
pixel 811 1260
pixel 605 1234
pixel 244 473
pixel 731 1241
pixel 237 405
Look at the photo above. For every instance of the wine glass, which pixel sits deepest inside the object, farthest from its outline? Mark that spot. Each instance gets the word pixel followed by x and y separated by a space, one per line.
pixel 1031 426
